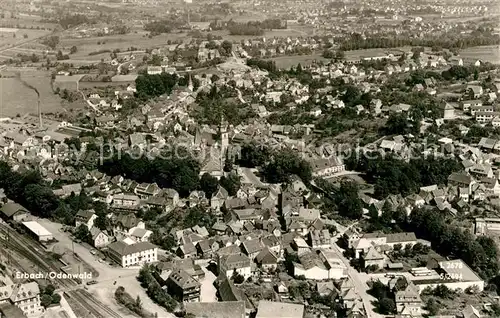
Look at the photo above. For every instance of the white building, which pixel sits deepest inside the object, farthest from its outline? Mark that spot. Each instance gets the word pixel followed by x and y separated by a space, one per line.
pixel 319 266
pixel 134 254
pixel 39 231
pixel 240 263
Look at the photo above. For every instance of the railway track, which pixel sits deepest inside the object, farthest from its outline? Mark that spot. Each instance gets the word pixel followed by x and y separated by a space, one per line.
pixel 36 253
pixel 96 308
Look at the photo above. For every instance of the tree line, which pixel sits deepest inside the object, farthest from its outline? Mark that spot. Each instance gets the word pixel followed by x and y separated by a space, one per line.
pixel 181 174
pixel 393 176
pixel 357 42
pixel 480 253
pixel 31 191
pixel 275 166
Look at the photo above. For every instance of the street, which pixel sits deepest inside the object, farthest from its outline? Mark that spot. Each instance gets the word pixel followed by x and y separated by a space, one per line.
pixel 105 288
pixel 359 280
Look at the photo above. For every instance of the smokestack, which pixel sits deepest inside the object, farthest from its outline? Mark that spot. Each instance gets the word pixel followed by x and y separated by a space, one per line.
pixel 40 125
pixel 38 99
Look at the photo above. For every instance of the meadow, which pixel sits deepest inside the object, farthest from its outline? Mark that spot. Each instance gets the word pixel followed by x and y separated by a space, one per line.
pixel 286 62
pixel 484 53
pixel 17 98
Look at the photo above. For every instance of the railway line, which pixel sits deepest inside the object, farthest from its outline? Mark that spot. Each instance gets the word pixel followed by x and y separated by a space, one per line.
pixel 96 308
pixel 36 254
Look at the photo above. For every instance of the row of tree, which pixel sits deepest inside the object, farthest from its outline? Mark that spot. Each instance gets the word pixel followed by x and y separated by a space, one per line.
pixel 357 42
pixel 394 176
pixel 480 253
pixel 178 172
pixel 154 290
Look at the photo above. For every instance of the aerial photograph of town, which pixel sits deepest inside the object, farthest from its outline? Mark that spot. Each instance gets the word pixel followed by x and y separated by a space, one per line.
pixel 249 158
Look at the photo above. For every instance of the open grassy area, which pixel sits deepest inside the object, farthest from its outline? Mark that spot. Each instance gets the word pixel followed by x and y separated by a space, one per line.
pixel 113 42
pixel 18 98
pixel 489 53
pixel 286 62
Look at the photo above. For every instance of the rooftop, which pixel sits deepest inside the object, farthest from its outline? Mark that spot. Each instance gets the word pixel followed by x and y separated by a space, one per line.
pixel 270 309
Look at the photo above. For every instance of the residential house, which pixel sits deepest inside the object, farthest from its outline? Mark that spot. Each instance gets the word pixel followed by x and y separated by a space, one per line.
pixel 183 287
pixel 327 166
pixel 240 263
pixel 320 239
pixel 408 301
pixel 476 91
pixel 85 217
pixel 266 259
pixel 467 105
pixel 25 296
pixel 315 265
pixel 99 238
pixel 139 234
pixel 373 258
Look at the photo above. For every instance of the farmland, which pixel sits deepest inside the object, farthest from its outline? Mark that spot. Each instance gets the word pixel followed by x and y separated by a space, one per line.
pixel 86 46
pixel 484 53
pixel 18 98
pixel 285 62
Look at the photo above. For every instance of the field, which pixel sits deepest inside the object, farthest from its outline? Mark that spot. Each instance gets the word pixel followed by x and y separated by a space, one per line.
pixel 112 42
pixel 484 53
pixel 18 98
pixel 15 36
pixel 285 62
pixel 276 33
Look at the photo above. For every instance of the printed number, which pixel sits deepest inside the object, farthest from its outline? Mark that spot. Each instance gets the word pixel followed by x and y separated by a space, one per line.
pixel 451 276
pixel 455 265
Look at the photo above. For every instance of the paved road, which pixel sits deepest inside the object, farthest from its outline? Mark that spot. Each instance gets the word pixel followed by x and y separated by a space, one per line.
pixel 105 288
pixel 359 281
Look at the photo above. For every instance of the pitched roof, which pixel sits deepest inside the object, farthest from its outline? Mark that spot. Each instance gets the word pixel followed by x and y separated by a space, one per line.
pixel 224 309
pixel 9 209
pixel 372 254
pixel 123 249
pixel 266 256
pixel 182 279
pixel 401 237
pixel 271 309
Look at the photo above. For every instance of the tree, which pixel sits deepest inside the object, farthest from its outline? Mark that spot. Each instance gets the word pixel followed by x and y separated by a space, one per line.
pixel 398 124
pixel 285 164
pixel 348 202
pixel 56 298
pixel 82 233
pixel 253 155
pixel 208 184
pixel 387 306
pixel 231 183
pixel 45 300
pixel 73 50
pixel 432 306
pixel 238 278
pixel 51 41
